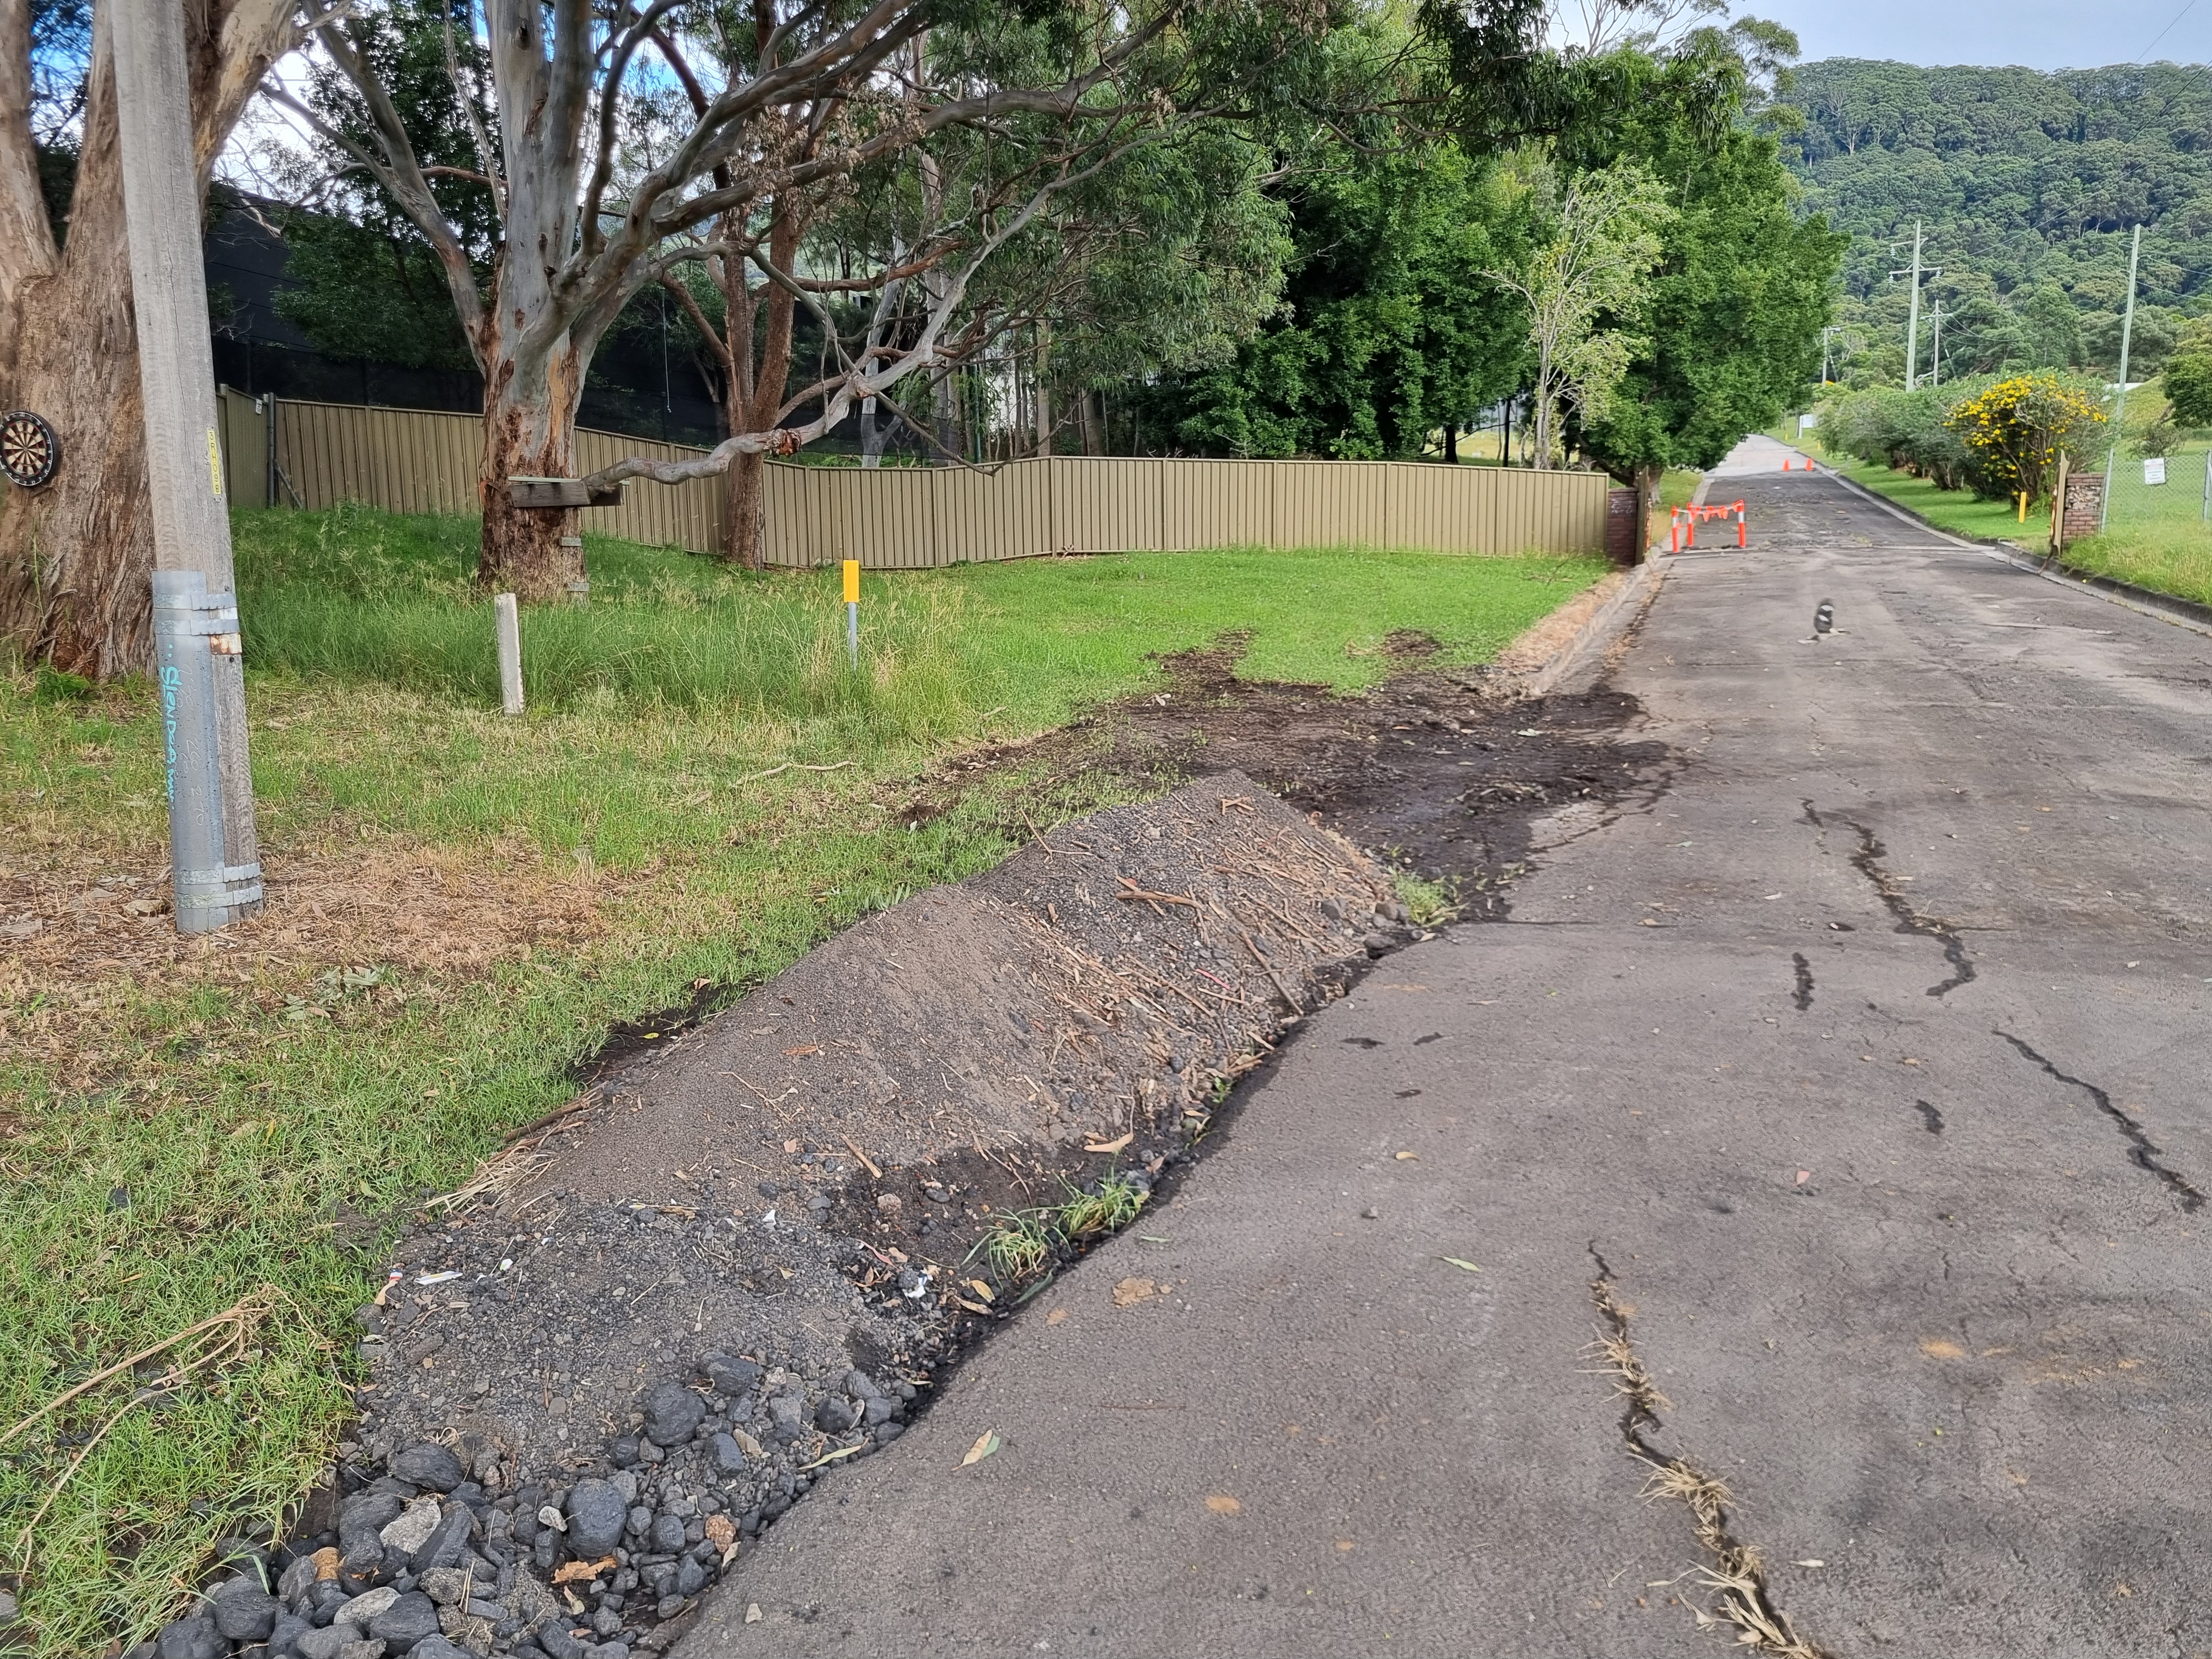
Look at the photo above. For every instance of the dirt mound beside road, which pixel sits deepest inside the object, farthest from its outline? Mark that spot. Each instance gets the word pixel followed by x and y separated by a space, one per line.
pixel 739 1263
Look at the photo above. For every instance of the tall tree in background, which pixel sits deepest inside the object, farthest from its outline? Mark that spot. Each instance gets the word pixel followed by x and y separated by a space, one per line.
pixel 75 556
pixel 1389 329
pixel 1585 284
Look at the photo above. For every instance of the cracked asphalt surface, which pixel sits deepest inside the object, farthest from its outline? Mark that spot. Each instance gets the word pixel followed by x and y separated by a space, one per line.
pixel 1865 1060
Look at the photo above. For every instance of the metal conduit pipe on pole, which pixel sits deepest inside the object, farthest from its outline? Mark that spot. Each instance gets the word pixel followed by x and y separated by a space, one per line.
pixel 214 853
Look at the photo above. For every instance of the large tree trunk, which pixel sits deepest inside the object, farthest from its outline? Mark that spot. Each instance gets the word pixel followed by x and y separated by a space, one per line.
pixel 530 431
pixel 75 556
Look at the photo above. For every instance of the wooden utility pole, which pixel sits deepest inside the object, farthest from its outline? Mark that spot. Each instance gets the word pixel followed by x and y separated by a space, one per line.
pixel 214 853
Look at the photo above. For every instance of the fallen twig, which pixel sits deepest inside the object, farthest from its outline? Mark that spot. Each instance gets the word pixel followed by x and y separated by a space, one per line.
pixel 862 1155
pixel 754 777
pixel 1132 891
pixel 1296 1007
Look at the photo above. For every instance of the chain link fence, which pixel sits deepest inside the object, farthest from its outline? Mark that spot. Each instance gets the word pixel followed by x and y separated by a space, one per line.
pixel 2169 496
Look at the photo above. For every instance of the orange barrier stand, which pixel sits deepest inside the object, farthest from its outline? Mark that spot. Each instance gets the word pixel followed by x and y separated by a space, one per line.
pixel 1683 526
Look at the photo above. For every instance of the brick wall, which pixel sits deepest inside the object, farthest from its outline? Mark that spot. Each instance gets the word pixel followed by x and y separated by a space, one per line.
pixel 1624 525
pixel 2085 505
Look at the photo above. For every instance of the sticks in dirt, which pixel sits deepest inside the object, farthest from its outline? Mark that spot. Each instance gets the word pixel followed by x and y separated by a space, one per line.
pixel 867 1163
pixel 1132 891
pixel 1266 967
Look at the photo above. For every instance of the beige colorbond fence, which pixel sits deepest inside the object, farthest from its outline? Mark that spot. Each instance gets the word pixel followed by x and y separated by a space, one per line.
pixel 417 460
pixel 915 517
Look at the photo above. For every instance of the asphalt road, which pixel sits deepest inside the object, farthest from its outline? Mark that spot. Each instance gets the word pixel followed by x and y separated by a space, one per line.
pixel 1862 1064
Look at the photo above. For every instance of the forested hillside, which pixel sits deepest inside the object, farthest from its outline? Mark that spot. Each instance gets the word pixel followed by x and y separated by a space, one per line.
pixel 2028 185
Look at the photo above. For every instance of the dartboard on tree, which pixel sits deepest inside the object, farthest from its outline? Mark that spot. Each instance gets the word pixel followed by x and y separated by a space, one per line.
pixel 29 452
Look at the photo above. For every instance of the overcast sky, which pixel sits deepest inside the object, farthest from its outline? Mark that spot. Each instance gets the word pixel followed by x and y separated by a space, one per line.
pixel 2040 33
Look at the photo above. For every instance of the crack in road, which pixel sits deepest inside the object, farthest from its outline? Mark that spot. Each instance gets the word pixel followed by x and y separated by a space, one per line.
pixel 2143 1152
pixel 1868 862
pixel 1734 1570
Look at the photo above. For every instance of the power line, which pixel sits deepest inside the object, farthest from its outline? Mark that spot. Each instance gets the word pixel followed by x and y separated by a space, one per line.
pixel 2168 29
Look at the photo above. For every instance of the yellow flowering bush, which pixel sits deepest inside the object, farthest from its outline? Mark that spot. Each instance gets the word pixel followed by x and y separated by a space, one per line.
pixel 2016 430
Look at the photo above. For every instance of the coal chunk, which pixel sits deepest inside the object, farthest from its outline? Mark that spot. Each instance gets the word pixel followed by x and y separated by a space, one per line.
pixel 436 1468
pixel 406 1622
pixel 672 1413
pixel 596 1517
pixel 243 1611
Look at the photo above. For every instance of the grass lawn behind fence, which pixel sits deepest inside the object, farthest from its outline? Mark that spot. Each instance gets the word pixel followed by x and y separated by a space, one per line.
pixel 466 905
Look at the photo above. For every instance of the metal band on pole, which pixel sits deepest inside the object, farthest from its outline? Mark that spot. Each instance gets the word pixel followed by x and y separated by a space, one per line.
pixel 192 628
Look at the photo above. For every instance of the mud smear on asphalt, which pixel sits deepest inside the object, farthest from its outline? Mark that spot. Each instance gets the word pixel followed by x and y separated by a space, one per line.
pixel 1448 773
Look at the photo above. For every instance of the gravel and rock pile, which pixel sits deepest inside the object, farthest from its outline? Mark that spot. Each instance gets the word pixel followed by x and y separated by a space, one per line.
pixel 641 1334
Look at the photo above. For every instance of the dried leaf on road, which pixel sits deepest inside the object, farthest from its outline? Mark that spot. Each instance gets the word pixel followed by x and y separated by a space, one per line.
pixel 1456 1262
pixel 986 1444
pixel 1222 1504
pixel 1113 1145
pixel 1408 1158
pixel 752 1613
pixel 1130 1292
pixel 572 1572
pixel 722 1532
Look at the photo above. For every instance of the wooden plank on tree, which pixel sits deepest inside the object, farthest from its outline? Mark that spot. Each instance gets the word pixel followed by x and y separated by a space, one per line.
pixel 558 493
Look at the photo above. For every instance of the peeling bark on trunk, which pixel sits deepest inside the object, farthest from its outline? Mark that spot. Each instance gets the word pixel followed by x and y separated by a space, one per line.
pixel 530 431
pixel 75 556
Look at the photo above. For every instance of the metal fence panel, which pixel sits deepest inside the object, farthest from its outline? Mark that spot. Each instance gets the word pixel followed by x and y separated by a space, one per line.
pixel 912 518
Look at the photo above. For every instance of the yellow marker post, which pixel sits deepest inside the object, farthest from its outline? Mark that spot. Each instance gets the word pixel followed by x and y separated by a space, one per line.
pixel 853 611
pixel 2023 507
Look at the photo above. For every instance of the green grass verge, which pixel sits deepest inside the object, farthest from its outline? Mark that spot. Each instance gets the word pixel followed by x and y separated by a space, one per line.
pixel 2165 559
pixel 1676 486
pixel 252 1119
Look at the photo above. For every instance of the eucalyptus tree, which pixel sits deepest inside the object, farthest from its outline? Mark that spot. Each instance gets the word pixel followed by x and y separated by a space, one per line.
pixel 618 141
pixel 1585 284
pixel 74 554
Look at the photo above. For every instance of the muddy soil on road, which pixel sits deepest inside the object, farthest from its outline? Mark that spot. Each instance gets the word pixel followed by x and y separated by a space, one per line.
pixel 1443 773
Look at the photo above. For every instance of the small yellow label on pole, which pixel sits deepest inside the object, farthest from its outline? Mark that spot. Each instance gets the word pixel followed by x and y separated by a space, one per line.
pixel 215 464
pixel 852 581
